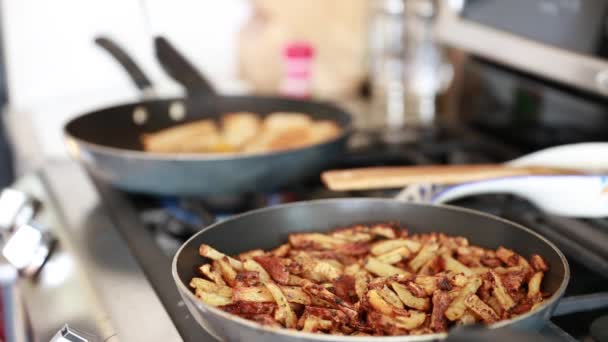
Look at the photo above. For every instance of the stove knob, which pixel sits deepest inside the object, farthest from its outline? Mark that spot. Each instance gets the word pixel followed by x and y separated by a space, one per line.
pixel 27 248
pixel 16 208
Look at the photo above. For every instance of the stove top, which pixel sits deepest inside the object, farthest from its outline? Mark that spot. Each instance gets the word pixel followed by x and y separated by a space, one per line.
pixel 168 222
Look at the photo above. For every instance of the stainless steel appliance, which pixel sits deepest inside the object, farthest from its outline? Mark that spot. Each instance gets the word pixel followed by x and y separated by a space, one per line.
pixel 108 267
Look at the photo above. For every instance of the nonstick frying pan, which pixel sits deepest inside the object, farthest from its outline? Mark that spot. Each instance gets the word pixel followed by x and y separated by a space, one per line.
pixel 107 141
pixel 268 228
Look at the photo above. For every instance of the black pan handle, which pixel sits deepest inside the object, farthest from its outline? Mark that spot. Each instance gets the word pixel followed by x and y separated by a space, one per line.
pixel 181 70
pixel 137 75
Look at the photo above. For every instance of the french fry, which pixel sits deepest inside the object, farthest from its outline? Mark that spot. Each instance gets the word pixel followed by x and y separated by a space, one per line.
pixel 314 324
pixel 252 265
pixel 481 309
pixel 325 271
pixel 458 306
pixel 383 230
pixel 252 294
pixel 428 283
pixel 361 283
pixel 538 263
pixel 414 320
pixel 284 313
pixel 314 241
pixel 455 266
pixel 357 281
pixel 409 299
pixel 207 286
pixel 534 285
pixel 212 274
pixel 296 295
pixel 501 293
pixel 427 252
pixel 211 253
pixel 441 302
pixel 281 251
pixel 378 303
pixel 394 256
pixel 212 298
pixel 226 270
pixel 390 297
pixel 251 254
pixel 386 246
pixel 381 269
pixel 467 319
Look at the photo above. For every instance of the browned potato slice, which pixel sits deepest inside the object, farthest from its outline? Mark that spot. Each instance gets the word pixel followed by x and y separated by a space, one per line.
pixel 458 306
pixel 534 285
pixel 212 298
pixel 381 269
pixel 386 246
pixel 226 270
pixel 390 297
pixel 427 252
pixel 212 274
pixel 211 253
pixel 207 286
pixel 481 309
pixel 378 303
pixel 394 256
pixel 409 299
pixel 240 128
pixel 501 293
pixel 455 266
pixel 414 320
pixel 197 136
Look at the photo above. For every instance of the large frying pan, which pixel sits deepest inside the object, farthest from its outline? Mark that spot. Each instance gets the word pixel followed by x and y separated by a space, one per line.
pixel 268 228
pixel 107 141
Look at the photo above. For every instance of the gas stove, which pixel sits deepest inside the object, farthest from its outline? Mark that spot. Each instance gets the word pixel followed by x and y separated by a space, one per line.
pixel 119 246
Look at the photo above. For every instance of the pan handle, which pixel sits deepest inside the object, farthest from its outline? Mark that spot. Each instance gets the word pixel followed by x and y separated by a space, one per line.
pixel 181 70
pixel 137 75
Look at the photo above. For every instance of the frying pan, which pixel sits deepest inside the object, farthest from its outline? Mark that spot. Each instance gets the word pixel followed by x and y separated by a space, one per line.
pixel 270 227
pixel 107 141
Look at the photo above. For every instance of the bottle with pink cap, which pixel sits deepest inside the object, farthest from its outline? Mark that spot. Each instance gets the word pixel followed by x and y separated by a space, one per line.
pixel 298 57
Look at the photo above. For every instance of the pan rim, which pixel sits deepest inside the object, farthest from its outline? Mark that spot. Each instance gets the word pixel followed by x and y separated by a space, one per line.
pixel 70 138
pixel 336 338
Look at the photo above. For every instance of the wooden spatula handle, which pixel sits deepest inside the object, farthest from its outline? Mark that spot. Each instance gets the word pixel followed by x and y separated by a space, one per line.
pixel 397 177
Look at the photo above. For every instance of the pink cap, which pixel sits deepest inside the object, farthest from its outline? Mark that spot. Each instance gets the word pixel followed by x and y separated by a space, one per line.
pixel 299 49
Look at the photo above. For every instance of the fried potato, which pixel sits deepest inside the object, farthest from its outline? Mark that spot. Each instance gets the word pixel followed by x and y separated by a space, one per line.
pixel 334 283
pixel 534 285
pixel 481 309
pixel 212 298
pixel 207 286
pixel 240 128
pixel 458 306
pixel 501 293
pixel 314 241
pixel 212 274
pixel 381 269
pixel 409 299
pixel 197 136
pixel 455 266
pixel 394 256
pixel 386 246
pixel 211 253
pixel 377 302
pixel 427 252
pixel 228 273
pixel 390 297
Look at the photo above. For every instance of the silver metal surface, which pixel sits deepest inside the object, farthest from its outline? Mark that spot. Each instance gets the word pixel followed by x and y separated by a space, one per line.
pixel 91 280
pixel 547 61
